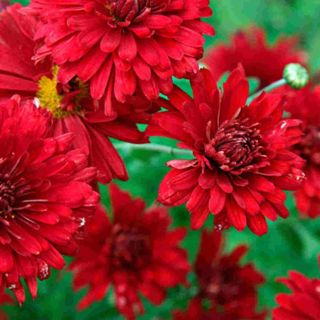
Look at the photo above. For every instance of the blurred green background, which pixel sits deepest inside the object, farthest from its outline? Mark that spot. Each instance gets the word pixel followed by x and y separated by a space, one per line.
pixel 290 244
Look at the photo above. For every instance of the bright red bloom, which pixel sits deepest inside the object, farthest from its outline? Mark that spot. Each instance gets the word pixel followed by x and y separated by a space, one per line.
pixel 123 46
pixel 230 287
pixel 70 105
pixel 135 253
pixel 259 59
pixel 44 197
pixel 304 104
pixel 304 301
pixel 241 157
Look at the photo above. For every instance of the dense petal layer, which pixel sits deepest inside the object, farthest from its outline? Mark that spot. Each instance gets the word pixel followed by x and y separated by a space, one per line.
pixel 45 196
pixel 242 157
pixel 135 253
pixel 123 47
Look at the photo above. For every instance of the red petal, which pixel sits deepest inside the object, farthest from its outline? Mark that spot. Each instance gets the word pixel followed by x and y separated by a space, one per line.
pixel 128 47
pixel 258 224
pixel 198 206
pixel 6 260
pixel 236 215
pixel 224 182
pixel 217 200
pixel 111 40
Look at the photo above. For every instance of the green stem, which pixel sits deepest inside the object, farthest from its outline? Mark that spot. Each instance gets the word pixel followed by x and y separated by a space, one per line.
pixel 152 147
pixel 269 88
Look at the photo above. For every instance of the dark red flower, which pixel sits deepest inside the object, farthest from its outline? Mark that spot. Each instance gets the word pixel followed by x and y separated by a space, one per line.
pixel 120 47
pixel 70 105
pixel 230 287
pixel 259 59
pixel 304 301
pixel 44 197
pixel 4 299
pixel 241 157
pixel 304 104
pixel 136 253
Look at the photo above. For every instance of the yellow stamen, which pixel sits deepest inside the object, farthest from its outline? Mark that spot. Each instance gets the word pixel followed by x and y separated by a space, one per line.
pixel 51 100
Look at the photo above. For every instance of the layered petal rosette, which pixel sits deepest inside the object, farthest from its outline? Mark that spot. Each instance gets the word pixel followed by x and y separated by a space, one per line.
pixel 241 157
pixel 69 104
pixel 135 252
pixel 45 197
pixel 227 288
pixel 121 47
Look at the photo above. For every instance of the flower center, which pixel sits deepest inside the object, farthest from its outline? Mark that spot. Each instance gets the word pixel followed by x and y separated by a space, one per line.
pixel 130 248
pixel 221 287
pixel 7 197
pixel 309 147
pixel 237 147
pixel 61 100
pixel 123 12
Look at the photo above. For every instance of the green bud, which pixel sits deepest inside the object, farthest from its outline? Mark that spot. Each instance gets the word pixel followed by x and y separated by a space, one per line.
pixel 295 75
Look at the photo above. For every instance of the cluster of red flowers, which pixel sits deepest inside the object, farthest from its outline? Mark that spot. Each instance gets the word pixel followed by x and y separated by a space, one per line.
pixel 76 74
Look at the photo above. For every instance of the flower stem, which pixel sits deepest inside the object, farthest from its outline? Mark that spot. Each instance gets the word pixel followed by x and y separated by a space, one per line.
pixel 153 148
pixel 269 88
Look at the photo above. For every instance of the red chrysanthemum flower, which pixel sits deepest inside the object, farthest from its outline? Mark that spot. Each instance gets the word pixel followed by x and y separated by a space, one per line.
pixel 4 299
pixel 241 153
pixel 229 288
pixel 259 60
pixel 123 46
pixel 135 253
pixel 304 301
pixel 44 197
pixel 303 105
pixel 70 105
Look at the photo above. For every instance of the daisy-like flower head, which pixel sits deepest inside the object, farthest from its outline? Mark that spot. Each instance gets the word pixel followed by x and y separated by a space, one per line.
pixel 303 105
pixel 69 104
pixel 303 303
pixel 241 157
pixel 229 288
pixel 135 253
pixel 259 60
pixel 44 197
pixel 121 47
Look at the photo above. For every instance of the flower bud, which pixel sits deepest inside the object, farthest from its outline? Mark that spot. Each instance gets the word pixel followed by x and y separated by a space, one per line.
pixel 296 76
